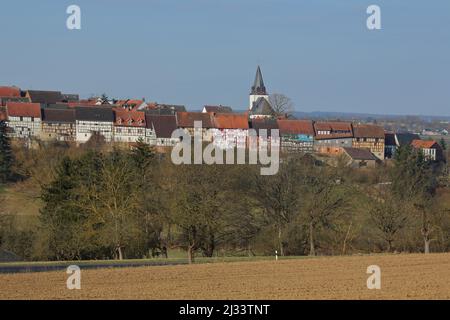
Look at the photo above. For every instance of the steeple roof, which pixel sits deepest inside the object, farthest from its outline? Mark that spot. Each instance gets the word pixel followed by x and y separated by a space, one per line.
pixel 258 86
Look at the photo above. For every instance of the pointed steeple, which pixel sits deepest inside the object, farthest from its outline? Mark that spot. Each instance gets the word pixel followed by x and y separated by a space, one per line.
pixel 258 86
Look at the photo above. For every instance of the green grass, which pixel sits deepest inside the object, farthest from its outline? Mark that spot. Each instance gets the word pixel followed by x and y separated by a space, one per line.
pixel 156 261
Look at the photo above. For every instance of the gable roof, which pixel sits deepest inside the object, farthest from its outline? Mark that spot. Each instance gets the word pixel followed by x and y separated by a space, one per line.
pixel 17 109
pixel 9 92
pixel 127 118
pixel 230 121
pixel 368 131
pixel 337 129
pixel 295 126
pixel 424 144
pixel 102 114
pixel 164 125
pixel 58 115
pixel 40 96
pixel 186 119
pixel 389 139
pixel 359 154
pixel 218 109
pixel 406 138
pixel 261 107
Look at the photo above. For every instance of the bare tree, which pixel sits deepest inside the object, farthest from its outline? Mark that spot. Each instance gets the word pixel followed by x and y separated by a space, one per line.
pixel 282 105
pixel 279 197
pixel 389 217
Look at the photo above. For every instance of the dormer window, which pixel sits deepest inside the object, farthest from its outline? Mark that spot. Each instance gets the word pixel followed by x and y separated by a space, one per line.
pixel 130 121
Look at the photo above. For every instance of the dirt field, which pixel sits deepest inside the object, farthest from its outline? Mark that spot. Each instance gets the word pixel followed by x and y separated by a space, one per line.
pixel 402 277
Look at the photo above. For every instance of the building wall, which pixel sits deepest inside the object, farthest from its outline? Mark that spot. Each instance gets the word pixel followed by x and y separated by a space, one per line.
pixel 429 153
pixel 322 144
pixel 207 134
pixel 84 130
pixel 150 137
pixel 24 127
pixel 297 143
pixel 230 138
pixel 128 134
pixel 58 131
pixel 375 145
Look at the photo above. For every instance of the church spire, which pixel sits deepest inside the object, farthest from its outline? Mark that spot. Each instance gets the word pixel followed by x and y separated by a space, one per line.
pixel 258 86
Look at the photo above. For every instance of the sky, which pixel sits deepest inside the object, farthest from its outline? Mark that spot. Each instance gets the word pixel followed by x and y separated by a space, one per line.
pixel 197 52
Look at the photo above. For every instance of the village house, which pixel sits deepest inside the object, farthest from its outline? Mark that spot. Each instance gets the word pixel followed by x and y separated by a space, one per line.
pixel 185 120
pixel 296 135
pixel 359 157
pixel 58 124
pixel 94 120
pixel 431 150
pixel 11 94
pixel 331 136
pixel 393 141
pixel 24 119
pixel 129 126
pixel 159 129
pixel 230 130
pixel 369 136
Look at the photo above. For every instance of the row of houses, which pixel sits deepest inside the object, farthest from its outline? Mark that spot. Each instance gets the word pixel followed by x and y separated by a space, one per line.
pixel 53 115
pixel 120 124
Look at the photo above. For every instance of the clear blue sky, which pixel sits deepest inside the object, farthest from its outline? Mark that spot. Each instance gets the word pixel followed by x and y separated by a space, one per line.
pixel 196 52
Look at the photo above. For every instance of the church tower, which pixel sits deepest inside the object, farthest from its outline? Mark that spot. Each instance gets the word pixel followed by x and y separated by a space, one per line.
pixel 258 89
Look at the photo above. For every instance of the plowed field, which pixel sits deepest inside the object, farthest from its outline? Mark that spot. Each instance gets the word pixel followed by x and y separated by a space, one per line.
pixel 403 276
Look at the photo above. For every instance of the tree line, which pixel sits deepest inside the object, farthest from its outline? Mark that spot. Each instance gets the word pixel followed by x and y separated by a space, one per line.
pixel 105 202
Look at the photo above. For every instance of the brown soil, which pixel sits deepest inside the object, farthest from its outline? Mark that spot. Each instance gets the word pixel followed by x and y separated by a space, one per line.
pixel 402 277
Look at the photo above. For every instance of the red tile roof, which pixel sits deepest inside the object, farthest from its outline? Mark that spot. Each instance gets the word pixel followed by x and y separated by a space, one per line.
pixel 16 109
pixel 129 118
pixel 368 131
pixel 424 144
pixel 295 126
pixel 231 121
pixel 186 119
pixel 9 92
pixel 333 126
pixel 130 103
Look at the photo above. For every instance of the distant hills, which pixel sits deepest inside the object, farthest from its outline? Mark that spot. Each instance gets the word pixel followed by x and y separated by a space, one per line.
pixel 355 115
